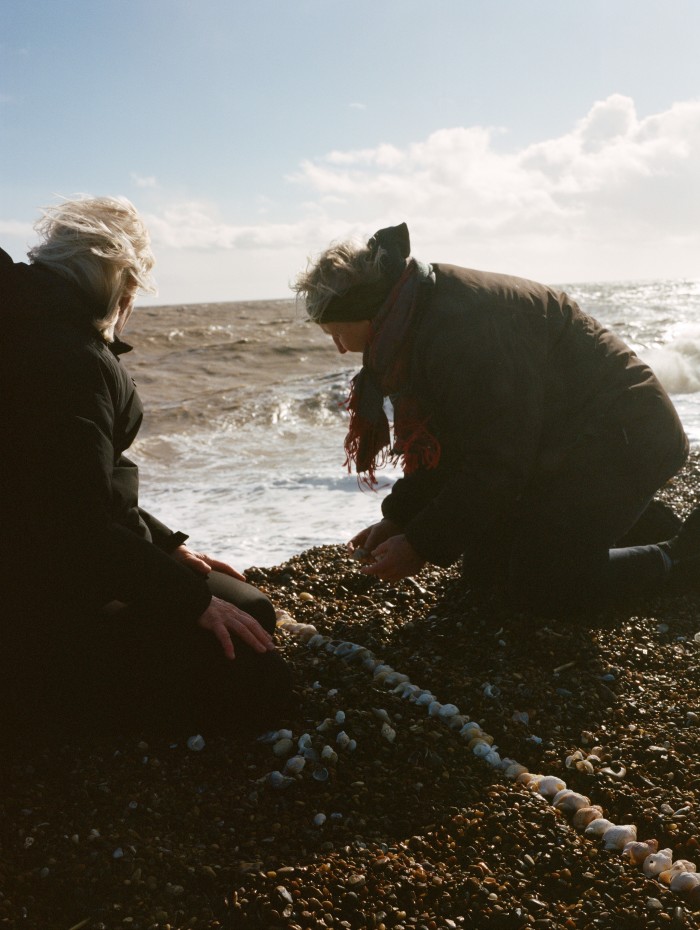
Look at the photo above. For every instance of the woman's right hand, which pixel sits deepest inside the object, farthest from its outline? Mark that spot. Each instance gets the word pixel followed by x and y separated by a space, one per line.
pixel 369 538
pixel 226 621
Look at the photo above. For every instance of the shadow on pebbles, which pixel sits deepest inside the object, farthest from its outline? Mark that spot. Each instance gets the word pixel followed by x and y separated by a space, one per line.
pixel 389 820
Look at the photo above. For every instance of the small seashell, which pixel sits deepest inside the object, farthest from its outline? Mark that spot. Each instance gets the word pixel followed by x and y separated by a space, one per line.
pixel 284 734
pixel 481 749
pixel 434 708
pixel 352 745
pixel 304 741
pixel 617 837
pixel 307 632
pixel 310 754
pixel 344 649
pixel 528 779
pixel 328 754
pixel 320 773
pixel 585 815
pixel 515 770
pixel 549 786
pixel 270 737
pixel 425 698
pixel 325 726
pixel 319 820
pixel 680 865
pixel 586 766
pixel 483 738
pixel 491 691
pixel 493 758
pixel 294 765
pixel 306 596
pixel 340 717
pixel 470 731
pixel 395 678
pixel 342 739
pixel 196 743
pixel 405 689
pixel 571 760
pixel 278 780
pixel 448 710
pixel 456 722
pixel 381 671
pixel 619 772
pixel 283 747
pixel 317 641
pixel 638 851
pixel 656 863
pixel 572 802
pixel 381 714
pixel 683 882
pixel 388 733
pixel 596 828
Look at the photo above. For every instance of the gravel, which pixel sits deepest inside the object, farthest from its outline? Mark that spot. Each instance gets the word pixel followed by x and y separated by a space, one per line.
pixel 408 830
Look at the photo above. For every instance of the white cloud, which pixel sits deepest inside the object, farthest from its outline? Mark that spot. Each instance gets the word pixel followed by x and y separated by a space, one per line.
pixel 143 181
pixel 18 228
pixel 618 196
pixel 358 106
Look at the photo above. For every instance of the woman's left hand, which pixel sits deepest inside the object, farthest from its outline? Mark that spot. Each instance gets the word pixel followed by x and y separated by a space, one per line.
pixel 394 559
pixel 202 564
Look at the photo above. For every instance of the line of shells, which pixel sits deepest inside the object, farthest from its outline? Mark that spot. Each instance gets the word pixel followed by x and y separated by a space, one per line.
pixel 680 874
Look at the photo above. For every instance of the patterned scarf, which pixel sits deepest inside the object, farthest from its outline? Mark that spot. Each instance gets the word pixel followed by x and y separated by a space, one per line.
pixel 385 373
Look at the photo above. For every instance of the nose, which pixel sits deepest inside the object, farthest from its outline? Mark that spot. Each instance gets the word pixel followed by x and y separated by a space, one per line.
pixel 339 345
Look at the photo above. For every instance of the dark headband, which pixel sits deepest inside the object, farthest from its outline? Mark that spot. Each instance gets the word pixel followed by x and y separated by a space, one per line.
pixel 363 301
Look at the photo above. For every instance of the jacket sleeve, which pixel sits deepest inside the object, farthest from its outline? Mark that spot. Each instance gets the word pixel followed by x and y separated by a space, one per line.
pixel 166 539
pixel 481 378
pixel 63 456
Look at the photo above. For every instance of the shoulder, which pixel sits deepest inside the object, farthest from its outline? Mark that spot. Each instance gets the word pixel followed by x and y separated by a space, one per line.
pixel 454 284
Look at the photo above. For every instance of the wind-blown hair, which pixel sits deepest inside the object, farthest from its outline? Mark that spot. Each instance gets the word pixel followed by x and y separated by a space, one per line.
pixel 103 246
pixel 343 265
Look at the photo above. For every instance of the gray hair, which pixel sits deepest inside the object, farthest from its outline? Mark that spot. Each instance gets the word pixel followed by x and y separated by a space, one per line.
pixel 343 265
pixel 103 246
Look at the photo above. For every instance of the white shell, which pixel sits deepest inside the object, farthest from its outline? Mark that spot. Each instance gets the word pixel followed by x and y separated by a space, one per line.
pixel 683 882
pixel 656 863
pixel 425 698
pixel 515 770
pixel 617 837
pixel 283 747
pixel 572 802
pixel 449 710
pixel 294 765
pixel 342 739
pixel 638 852
pixel 388 733
pixel 328 754
pixel 549 786
pixel 278 780
pixel 586 815
pixel 319 820
pixel 434 708
pixel 527 778
pixel 680 865
pixel 596 828
pixel 481 749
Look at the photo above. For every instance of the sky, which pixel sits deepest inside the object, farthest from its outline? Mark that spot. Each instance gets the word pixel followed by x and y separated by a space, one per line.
pixel 552 139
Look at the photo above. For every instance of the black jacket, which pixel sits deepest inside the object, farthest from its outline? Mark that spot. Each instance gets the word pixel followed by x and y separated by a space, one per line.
pixel 73 535
pixel 512 374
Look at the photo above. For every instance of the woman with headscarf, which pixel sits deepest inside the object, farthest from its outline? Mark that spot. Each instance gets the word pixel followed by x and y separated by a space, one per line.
pixel 532 439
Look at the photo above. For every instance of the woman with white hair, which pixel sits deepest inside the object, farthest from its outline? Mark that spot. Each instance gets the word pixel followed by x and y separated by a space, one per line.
pixel 108 616
pixel 532 439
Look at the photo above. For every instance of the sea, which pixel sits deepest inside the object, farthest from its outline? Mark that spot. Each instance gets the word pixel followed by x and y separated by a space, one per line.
pixel 242 441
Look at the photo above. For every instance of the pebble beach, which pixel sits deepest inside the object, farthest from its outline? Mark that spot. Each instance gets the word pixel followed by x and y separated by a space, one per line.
pixel 391 819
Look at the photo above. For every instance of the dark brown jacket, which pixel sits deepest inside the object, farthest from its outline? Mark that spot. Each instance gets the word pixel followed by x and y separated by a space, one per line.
pixel 512 374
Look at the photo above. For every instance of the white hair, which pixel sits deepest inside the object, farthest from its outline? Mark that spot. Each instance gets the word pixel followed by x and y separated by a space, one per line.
pixel 103 246
pixel 343 265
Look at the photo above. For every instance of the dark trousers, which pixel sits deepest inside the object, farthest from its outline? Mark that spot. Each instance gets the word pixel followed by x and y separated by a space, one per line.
pixel 557 552
pixel 127 671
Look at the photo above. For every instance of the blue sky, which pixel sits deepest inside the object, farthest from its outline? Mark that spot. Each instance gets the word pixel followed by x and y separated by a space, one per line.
pixel 554 139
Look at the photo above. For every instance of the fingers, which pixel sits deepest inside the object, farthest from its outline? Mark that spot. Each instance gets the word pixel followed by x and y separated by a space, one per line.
pixel 358 541
pixel 224 568
pixel 226 621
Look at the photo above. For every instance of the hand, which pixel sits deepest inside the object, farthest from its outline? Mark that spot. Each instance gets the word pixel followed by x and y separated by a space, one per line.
pixel 202 564
pixel 224 621
pixel 394 559
pixel 372 536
